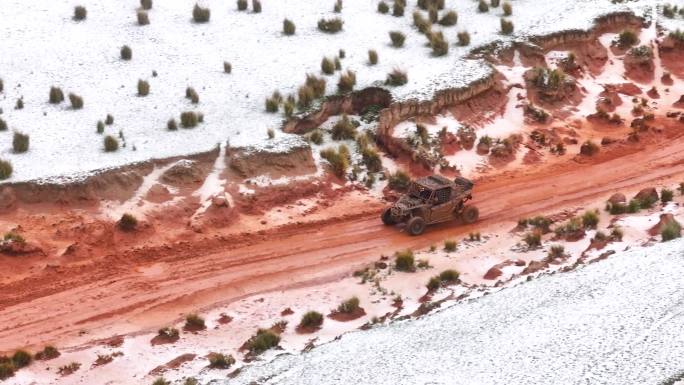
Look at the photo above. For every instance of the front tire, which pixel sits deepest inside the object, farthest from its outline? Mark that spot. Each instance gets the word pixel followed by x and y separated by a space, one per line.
pixel 470 215
pixel 387 217
pixel 415 226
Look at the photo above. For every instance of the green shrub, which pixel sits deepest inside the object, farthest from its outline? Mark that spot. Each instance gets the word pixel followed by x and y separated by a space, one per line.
pixel 3 125
pixel 191 381
pixel 463 38
pixel 2 85
pixel 333 25
pixel 449 276
pixel 347 81
pixel 306 96
pixel 80 13
pixel 100 126
pixel 349 306
pixel 220 361
pixel 189 119
pixel 450 245
pixel 422 24
pixel 49 352
pixel 76 101
pixel 200 15
pixel 495 3
pixel 372 57
pixel 6 369
pixel 56 95
pixel 143 18
pixel 533 239
pixel 109 120
pixel 126 53
pixel 371 159
pixel 242 5
pixel 146 4
pixel 344 129
pixel 171 125
pixel 482 6
pixel 666 195
pixel 617 208
pixel 143 88
pixel 439 44
pixel 404 260
pixel 289 27
pixel 397 38
pixel 627 38
pixel 21 358
pixel 670 231
pixel 317 84
pixel 634 206
pixel 399 181
pixel 434 283
pixel 272 105
pixel 311 319
pixel 191 94
pixel 398 9
pixel 507 9
pixel 256 6
pixel 433 15
pixel 128 222
pixel 262 341
pixel 194 321
pixel 169 333
pixel 161 381
pixel 227 67
pixel 316 137
pixel 396 78
pixel 449 19
pixel 20 142
pixel 327 66
pixel 506 26
pixel 383 7
pixel 5 169
pixel 20 104
pixel 616 234
pixel 338 6
pixel 338 160
pixel 590 219
pixel 589 148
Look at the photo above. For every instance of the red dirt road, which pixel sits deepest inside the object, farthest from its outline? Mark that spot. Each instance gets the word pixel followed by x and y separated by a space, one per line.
pixel 147 288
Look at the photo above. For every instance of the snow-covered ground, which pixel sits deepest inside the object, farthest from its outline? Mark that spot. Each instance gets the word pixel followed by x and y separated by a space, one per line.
pixel 614 322
pixel 42 46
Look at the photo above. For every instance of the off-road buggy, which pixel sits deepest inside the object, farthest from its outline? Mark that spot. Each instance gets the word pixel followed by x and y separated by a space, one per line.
pixel 430 200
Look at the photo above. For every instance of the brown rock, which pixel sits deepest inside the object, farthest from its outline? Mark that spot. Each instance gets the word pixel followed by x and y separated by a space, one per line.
pixel 617 198
pixel 648 194
pixel 665 219
pixel 493 273
pixel 534 267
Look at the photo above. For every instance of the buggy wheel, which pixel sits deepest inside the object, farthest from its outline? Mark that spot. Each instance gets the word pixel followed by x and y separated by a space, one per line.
pixel 470 214
pixel 415 226
pixel 387 217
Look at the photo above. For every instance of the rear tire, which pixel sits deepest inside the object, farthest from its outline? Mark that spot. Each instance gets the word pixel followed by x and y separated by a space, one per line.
pixel 387 218
pixel 415 226
pixel 470 214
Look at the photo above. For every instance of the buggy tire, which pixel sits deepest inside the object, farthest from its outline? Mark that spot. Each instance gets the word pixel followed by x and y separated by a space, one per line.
pixel 415 226
pixel 470 214
pixel 387 218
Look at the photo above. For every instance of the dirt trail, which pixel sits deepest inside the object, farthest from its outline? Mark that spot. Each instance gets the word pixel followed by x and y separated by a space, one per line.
pixel 146 289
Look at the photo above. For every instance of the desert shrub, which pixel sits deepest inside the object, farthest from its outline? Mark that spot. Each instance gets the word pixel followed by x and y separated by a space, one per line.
pixel 404 260
pixel 80 13
pixel 109 120
pixel 128 222
pixel 126 53
pixel 161 381
pixel 333 25
pixel 227 67
pixel 421 23
pixel 677 35
pixel 143 87
pixel 317 84
pixel 507 9
pixel 433 15
pixel 194 321
pixel 347 81
pixel 590 219
pixel 76 101
pixel 21 358
pixel 342 54
pixel 143 18
pixel 670 231
pixel 146 4
pixel 189 119
pixel 272 104
pixel 482 6
pixel 5 169
pixel 191 94
pixel 556 251
pixel 3 125
pixel 506 26
pixel 434 283
pixel 171 125
pixel 666 195
pixel 617 208
pixel 100 127
pixel 463 38
pixel 641 52
pixel 327 66
pixel 449 276
pixel 256 6
pixel 242 5
pixel 616 234
pixel 20 104
pixel 372 57
pixel 305 95
pixel 168 333
pixel 20 142
pixel 533 239
pixel 289 27
pixel 6 369
pixel 397 38
pixel 589 148
pixel 339 162
pixel 398 9
pixel 191 381
pixel 371 159
pixel 311 319
pixel 344 129
pixel 634 206
pixel 450 18
pixel 627 38
pixel 439 44
pixel 220 361
pixel 2 85
pixel 56 95
pixel 383 7
pixel 111 144
pixel 200 15
pixel 338 6
pixel 396 78
pixel 316 137
pixel 450 245
pixel 49 352
pixel 495 3
pixel 262 341
pixel 399 181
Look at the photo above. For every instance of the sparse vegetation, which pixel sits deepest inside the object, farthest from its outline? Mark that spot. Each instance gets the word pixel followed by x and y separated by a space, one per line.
pixel 191 94
pixel 194 321
pixel 590 219
pixel 533 239
pixel 666 195
pixel 450 246
pixel 449 19
pixel 347 81
pixel 399 181
pixel 349 306
pixel 6 369
pixel 20 142
pixel 589 148
pixel 242 5
pixel 49 352
pixel 338 6
pixel 256 6
pixel 397 38
pixel 338 159
pixel 171 125
pixel 344 129
pixel 20 104
pixel 146 4
pixel 333 25
pixel 76 101
pixel 190 119
pixel 5 169
pixel 372 57
pixel 398 8
pixel 482 6
pixel 3 125
pixel 507 8
pixel 463 38
pixel 439 44
pixel 506 26
pixel 317 84
pixel 404 260
pixel 220 361
pixel 396 78
pixel 449 276
pixel 143 18
pixel 227 67
pixel 328 66
pixel 128 222
pixel 143 87
pixel 200 15
pixel 627 38
pixel 161 381
pixel 263 340
pixel 556 251
pixel 311 319
pixel 109 120
pixel 289 27
pixel 168 333
pixel 383 7
pixel 371 159
pixel 80 13
pixel 126 53
pixel 671 230
pixel 56 95
pixel 70 368
pixel 99 127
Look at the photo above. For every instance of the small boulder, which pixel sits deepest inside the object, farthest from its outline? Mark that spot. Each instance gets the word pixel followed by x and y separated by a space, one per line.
pixel 665 219
pixel 648 195
pixel 493 273
pixel 534 267
pixel 617 198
